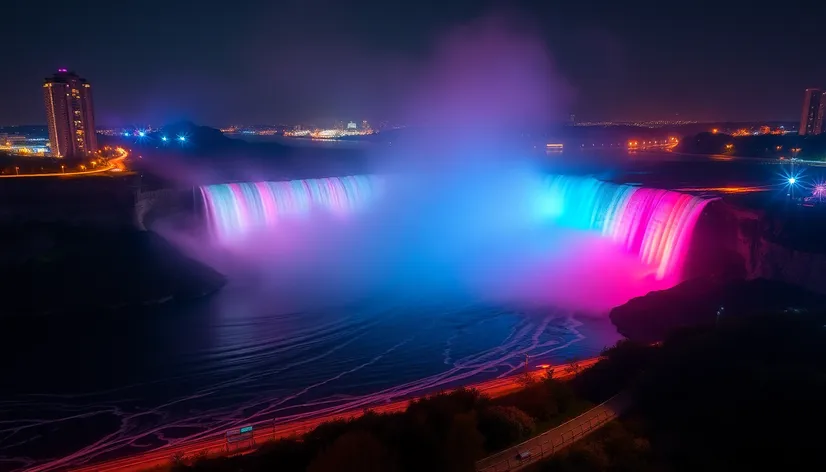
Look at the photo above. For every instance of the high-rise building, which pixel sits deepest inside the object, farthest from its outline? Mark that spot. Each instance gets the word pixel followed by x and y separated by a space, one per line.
pixel 814 106
pixel 69 113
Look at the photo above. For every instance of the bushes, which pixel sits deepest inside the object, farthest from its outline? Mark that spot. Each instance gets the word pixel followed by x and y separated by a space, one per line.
pixel 447 432
pixel 615 448
pixel 543 401
pixel 504 425
pixel 354 451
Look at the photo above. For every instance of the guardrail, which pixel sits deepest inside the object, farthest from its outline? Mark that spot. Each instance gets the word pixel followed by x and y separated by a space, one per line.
pixel 552 441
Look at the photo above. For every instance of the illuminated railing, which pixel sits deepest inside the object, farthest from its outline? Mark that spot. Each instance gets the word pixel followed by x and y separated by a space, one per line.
pixel 556 439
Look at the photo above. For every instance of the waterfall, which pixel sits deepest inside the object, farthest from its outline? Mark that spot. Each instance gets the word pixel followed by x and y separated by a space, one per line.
pixel 236 209
pixel 656 224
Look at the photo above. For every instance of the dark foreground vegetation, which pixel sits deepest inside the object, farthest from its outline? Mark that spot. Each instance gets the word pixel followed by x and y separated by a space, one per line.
pixel 59 267
pixel 705 301
pixel 445 432
pixel 746 394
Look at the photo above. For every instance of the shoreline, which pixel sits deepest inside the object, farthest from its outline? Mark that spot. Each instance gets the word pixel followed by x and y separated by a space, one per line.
pixel 269 430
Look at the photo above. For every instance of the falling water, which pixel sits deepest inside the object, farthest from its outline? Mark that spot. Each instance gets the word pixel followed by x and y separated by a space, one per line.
pixel 656 224
pixel 234 210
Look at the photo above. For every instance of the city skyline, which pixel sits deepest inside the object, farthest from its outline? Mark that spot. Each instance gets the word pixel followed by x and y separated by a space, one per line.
pixel 253 64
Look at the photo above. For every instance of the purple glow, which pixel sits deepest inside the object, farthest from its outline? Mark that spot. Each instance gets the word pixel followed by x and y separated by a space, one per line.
pixel 237 210
pixel 655 224
pixel 62 70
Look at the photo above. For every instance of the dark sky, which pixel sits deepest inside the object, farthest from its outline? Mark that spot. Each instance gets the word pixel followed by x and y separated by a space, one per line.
pixel 282 61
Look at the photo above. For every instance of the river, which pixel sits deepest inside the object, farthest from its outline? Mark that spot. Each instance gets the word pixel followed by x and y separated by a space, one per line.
pixel 93 387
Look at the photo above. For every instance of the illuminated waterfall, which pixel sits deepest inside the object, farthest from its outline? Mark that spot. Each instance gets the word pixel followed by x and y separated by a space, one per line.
pixel 653 223
pixel 235 210
pixel 657 225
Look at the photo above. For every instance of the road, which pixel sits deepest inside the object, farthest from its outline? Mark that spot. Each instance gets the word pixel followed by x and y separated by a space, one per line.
pixel 115 164
pixel 265 431
pixel 554 440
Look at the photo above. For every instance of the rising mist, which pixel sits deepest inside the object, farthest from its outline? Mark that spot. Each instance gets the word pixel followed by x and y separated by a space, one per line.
pixel 460 211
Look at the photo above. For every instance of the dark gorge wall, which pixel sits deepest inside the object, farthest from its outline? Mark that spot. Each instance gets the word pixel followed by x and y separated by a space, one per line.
pixel 787 248
pixel 731 242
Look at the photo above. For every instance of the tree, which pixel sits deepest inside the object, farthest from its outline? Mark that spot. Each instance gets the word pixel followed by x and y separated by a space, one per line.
pixel 535 400
pixel 504 425
pixel 574 368
pixel 464 444
pixel 355 451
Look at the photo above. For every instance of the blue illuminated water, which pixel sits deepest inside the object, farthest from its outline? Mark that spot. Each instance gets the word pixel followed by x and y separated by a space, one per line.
pixel 102 387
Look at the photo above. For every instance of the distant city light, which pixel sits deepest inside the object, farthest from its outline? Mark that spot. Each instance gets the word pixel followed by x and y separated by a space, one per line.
pixel 126 134
pixel 182 138
pixel 141 133
pixel 163 138
pixel 62 70
pixel 792 180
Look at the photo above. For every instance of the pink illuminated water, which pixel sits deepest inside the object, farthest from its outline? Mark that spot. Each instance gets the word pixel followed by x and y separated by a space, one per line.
pixel 236 209
pixel 656 224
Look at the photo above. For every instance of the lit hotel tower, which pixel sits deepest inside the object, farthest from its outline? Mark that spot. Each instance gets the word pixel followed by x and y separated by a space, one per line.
pixel 814 105
pixel 69 114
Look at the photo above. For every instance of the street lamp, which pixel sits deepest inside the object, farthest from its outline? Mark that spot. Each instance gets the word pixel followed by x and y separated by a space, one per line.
pixel 62 168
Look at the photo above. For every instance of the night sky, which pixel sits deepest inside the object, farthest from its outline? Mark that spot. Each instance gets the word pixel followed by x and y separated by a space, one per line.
pixel 285 61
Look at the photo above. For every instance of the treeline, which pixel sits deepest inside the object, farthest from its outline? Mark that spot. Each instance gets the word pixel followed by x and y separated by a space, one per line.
pixel 764 145
pixel 445 432
pixel 745 395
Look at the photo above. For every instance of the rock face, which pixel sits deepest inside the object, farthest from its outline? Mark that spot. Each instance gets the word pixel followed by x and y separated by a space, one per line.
pixel 763 256
pixel 703 302
pixel 747 262
pixel 64 268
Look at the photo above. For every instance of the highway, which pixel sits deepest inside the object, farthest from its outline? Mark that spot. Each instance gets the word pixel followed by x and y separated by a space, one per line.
pixel 115 164
pixel 267 431
pixel 556 439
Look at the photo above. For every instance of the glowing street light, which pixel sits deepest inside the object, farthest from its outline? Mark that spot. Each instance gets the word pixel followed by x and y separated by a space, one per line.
pixel 141 133
pixel 164 138
pixel 182 138
pixel 792 180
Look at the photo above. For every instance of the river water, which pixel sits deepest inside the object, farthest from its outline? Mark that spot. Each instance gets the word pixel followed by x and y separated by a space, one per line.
pixel 79 389
pixel 100 387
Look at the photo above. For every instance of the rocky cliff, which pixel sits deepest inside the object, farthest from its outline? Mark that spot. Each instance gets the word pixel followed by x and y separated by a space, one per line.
pixel 767 251
pixel 706 301
pixel 60 268
pixel 743 262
